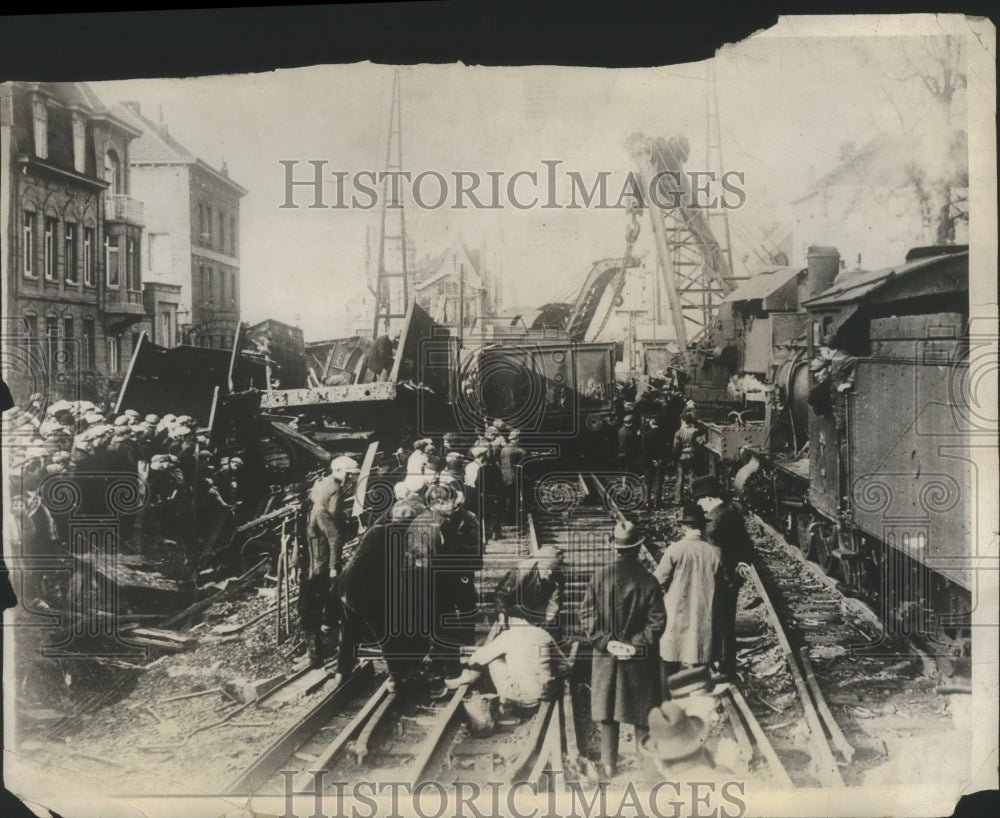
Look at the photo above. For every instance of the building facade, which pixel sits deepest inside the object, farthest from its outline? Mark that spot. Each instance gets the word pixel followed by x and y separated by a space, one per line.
pixel 72 236
pixel 192 238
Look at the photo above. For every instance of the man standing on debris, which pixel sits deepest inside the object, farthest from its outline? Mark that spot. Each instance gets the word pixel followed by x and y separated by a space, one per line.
pixel 688 575
pixel 623 617
pixel 325 534
pixel 380 356
pixel 726 529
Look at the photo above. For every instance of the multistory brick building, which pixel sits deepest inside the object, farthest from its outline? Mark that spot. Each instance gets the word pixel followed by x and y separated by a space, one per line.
pixel 192 238
pixel 72 240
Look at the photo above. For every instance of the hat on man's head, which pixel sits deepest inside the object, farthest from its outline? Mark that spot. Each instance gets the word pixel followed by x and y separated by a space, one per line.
pixel 693 515
pixel 627 420
pixel 705 486
pixel 625 536
pixel 673 734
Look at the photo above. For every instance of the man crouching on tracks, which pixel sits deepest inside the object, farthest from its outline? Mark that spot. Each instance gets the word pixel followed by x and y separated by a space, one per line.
pixel 623 616
pixel 326 531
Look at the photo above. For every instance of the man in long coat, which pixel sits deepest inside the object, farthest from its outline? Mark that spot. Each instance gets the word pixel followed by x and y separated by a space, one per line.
pixel 325 534
pixel 725 528
pixel 383 598
pixel 623 617
pixel 688 573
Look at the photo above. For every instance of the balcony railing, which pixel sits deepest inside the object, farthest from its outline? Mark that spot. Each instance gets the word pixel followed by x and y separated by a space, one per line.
pixel 121 208
pixel 123 301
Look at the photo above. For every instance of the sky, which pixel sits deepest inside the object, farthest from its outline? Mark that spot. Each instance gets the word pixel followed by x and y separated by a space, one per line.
pixel 786 105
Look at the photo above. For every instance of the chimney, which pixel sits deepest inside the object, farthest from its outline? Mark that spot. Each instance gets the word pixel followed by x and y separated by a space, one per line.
pixel 225 169
pixel 822 264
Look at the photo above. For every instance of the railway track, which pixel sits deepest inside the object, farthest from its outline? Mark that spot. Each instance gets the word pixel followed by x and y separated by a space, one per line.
pixel 846 658
pixel 364 731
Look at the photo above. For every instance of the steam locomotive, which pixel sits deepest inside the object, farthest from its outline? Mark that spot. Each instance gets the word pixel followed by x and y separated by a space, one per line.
pixel 844 412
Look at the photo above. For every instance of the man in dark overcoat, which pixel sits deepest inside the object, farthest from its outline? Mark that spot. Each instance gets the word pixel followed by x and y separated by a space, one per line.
pixel 383 598
pixel 623 617
pixel 726 529
pixel 654 451
pixel 446 541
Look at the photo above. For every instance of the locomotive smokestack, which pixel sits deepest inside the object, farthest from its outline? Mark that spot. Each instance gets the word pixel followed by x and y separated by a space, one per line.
pixel 823 264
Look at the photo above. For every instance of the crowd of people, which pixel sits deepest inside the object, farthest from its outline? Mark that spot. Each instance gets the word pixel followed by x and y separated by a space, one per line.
pixel 410 588
pixel 659 432
pixel 181 480
pixel 416 561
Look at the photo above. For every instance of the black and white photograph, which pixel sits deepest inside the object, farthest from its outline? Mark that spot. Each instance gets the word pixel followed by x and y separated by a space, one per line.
pixel 443 439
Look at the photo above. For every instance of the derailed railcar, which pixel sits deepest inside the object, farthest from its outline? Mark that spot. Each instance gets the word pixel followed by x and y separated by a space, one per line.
pixel 560 393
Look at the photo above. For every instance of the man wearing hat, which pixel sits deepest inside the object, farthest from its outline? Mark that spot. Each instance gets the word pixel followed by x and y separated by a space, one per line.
pixel 511 458
pixel 623 617
pixel 676 748
pixel 688 574
pixel 725 528
pixel 326 530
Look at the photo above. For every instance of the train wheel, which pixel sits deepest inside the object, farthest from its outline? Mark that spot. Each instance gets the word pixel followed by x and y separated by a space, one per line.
pixel 821 546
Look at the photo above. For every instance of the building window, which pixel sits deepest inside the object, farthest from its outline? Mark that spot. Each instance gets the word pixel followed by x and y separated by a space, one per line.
pixel 202 232
pixel 90 342
pixel 49 251
pixel 114 353
pixel 30 220
pixel 232 289
pixel 208 222
pixel 222 231
pixel 31 326
pixel 51 340
pixel 232 236
pixel 113 173
pixel 79 143
pixel 70 242
pixel 69 342
pixel 88 256
pixel 131 267
pixel 41 118
pixel 112 260
pixel 208 285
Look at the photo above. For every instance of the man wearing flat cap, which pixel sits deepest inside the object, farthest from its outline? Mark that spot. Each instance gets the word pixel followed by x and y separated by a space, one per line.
pixel 688 574
pixel 623 617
